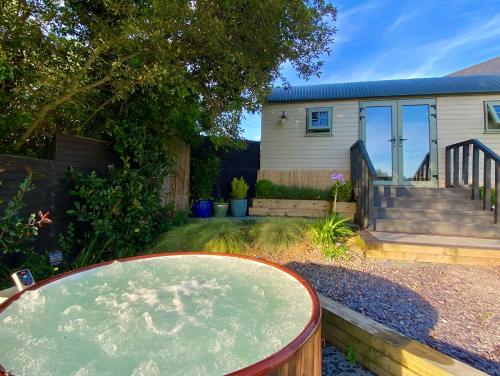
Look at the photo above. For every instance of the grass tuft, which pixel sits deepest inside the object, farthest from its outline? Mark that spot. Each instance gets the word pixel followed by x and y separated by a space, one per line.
pixel 279 233
pixel 215 235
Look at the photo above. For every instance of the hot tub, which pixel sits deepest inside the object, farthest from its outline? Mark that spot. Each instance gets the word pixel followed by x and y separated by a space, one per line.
pixel 166 314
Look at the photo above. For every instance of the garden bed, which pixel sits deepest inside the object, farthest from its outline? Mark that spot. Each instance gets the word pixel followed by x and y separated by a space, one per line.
pixel 452 308
pixel 299 208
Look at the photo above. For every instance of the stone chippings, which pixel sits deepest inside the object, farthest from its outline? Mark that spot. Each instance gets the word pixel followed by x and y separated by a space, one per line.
pixel 335 363
pixel 453 308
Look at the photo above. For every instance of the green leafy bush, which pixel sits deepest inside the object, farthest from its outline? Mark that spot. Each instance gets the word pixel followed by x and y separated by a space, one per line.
pixel 279 233
pixel 492 195
pixel 215 235
pixel 267 189
pixel 331 234
pixel 122 209
pixel 239 188
pixel 205 169
pixel 17 230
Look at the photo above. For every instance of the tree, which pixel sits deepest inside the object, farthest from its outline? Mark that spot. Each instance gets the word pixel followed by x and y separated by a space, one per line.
pixel 63 62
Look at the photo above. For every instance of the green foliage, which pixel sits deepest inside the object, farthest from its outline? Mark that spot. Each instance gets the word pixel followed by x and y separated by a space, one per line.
pixel 16 231
pixel 122 209
pixel 344 191
pixel 492 195
pixel 267 189
pixel 205 169
pixel 61 62
pixel 15 228
pixel 215 235
pixel 239 188
pixel 350 355
pixel 279 233
pixel 330 234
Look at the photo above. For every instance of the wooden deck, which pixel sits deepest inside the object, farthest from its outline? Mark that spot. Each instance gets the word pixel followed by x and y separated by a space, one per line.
pixel 432 248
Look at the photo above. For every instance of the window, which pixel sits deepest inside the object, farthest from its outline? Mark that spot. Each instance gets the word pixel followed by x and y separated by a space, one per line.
pixel 319 121
pixel 492 116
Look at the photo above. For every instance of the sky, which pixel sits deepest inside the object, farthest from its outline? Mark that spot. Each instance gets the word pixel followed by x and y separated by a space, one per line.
pixel 388 39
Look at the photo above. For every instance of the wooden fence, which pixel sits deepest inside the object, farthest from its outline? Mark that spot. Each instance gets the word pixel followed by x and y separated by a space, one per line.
pixel 51 191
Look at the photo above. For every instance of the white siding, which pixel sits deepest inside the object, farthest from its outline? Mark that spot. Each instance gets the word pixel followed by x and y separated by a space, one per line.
pixel 285 147
pixel 460 118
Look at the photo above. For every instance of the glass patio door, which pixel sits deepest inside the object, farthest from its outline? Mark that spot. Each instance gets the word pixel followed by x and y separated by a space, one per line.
pixel 400 137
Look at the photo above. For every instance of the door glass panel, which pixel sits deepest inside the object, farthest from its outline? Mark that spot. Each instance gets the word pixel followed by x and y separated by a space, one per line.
pixel 378 128
pixel 415 143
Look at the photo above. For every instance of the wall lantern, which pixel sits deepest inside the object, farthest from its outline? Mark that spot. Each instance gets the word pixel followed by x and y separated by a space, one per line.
pixel 283 118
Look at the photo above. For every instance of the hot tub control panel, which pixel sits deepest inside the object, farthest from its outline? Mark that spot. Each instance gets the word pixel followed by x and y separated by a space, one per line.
pixel 23 279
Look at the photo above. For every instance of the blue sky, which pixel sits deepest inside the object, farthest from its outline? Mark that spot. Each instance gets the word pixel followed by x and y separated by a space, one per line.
pixel 379 39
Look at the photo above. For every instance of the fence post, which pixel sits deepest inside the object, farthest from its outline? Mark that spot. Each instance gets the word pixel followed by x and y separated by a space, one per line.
pixel 456 169
pixel 448 167
pixel 465 164
pixel 487 183
pixel 475 173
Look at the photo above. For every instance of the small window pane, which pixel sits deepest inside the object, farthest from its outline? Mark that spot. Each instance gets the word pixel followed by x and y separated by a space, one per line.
pixel 319 120
pixel 492 116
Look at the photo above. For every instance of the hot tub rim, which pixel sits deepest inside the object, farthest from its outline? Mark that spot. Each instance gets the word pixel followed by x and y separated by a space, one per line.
pixel 261 367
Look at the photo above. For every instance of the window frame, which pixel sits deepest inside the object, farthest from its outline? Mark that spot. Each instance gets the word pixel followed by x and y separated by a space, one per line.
pixel 327 131
pixel 489 111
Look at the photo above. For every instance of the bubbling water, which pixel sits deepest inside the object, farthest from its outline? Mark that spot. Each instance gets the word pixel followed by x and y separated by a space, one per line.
pixel 175 315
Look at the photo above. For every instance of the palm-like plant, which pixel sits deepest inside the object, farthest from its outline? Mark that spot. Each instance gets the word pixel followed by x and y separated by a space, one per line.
pixel 331 233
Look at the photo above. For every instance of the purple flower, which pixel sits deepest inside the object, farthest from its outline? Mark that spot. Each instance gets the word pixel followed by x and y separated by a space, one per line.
pixel 337 178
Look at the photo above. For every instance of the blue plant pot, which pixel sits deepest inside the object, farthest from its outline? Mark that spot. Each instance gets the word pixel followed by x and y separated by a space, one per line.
pixel 239 208
pixel 202 208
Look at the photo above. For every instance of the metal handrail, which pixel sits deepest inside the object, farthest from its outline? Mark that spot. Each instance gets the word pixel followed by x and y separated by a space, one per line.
pixel 362 176
pixel 457 175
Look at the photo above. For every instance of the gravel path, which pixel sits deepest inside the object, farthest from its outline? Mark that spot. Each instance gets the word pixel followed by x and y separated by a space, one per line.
pixel 335 364
pixel 452 308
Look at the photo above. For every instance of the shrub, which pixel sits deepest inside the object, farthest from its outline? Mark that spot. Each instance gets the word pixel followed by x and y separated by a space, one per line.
pixel 268 190
pixel 492 195
pixel 239 188
pixel 215 235
pixel 205 169
pixel 279 233
pixel 330 234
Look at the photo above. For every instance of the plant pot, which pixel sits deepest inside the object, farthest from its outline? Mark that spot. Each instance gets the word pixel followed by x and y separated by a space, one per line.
pixel 239 207
pixel 202 208
pixel 221 209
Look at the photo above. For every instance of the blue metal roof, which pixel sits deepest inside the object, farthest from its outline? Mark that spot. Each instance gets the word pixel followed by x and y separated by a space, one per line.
pixel 387 88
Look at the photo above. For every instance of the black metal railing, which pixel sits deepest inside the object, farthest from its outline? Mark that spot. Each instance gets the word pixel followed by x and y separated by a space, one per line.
pixel 423 172
pixel 458 166
pixel 362 176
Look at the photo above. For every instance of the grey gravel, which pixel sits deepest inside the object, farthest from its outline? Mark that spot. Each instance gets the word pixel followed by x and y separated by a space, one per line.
pixel 335 363
pixel 452 308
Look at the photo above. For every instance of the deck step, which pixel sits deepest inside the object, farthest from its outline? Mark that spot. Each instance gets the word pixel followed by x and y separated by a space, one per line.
pixel 422 226
pixel 432 248
pixel 399 191
pixel 452 216
pixel 420 203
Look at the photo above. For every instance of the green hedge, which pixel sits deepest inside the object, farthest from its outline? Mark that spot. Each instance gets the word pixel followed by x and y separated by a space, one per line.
pixel 267 189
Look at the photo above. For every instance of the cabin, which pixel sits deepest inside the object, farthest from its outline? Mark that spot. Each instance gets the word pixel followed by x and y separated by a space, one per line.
pixel 423 153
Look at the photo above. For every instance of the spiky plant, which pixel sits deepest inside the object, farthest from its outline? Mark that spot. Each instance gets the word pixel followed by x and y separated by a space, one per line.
pixel 331 234
pixel 279 233
pixel 215 235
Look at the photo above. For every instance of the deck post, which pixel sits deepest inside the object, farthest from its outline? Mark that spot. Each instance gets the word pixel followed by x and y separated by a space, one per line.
pixel 448 167
pixel 456 169
pixel 487 183
pixel 497 193
pixel 465 164
pixel 475 173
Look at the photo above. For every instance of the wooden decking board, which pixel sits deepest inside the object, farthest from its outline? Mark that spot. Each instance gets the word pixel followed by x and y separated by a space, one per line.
pixel 432 248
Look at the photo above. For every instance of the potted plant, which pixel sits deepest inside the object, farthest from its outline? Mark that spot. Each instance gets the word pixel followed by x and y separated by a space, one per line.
pixel 239 190
pixel 220 208
pixel 204 172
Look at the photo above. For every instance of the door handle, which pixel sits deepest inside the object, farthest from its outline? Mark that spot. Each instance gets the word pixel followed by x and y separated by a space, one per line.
pixel 402 139
pixel 392 139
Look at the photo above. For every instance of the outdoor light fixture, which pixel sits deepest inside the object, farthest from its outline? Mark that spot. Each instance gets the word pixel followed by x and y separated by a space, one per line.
pixel 283 118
